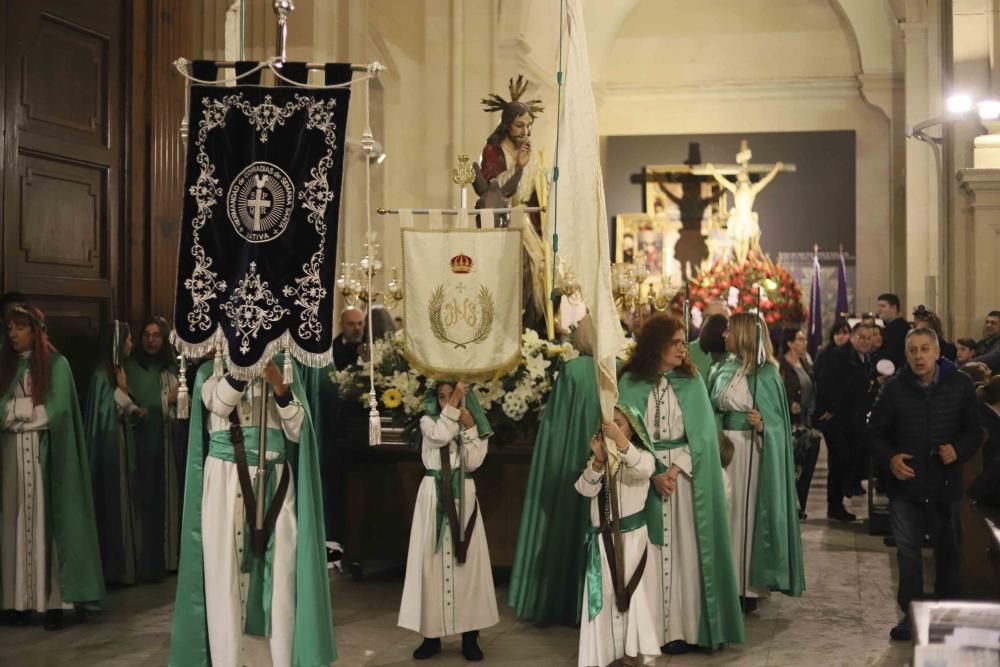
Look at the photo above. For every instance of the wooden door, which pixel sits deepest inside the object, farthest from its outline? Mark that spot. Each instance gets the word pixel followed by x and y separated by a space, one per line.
pixel 64 125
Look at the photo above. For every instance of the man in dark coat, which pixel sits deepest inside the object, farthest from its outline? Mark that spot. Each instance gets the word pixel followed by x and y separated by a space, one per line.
pixel 988 349
pixel 923 428
pixel 896 328
pixel 845 389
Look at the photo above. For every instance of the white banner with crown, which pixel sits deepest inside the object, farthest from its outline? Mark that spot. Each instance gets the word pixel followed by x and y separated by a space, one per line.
pixel 463 299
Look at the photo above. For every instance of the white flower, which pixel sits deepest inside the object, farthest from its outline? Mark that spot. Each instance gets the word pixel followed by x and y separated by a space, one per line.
pixel 488 392
pixel 536 366
pixel 514 406
pixel 531 341
pixel 569 353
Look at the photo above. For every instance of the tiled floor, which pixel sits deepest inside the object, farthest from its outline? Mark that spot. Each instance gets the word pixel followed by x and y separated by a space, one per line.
pixel 843 619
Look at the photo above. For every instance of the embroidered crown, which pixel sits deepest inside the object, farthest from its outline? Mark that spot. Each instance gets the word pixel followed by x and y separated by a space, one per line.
pixel 461 263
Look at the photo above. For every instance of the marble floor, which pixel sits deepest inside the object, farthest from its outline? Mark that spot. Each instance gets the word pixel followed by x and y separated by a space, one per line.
pixel 843 619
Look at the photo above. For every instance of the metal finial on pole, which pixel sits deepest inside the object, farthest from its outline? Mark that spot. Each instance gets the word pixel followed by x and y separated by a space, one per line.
pixel 282 8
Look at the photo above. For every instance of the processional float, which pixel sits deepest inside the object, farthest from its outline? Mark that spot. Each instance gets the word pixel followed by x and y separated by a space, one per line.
pixel 258 238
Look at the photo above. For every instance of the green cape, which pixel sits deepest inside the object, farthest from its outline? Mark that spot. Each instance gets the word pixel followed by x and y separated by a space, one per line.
pixel 104 427
pixel 151 470
pixel 432 409
pixel 701 359
pixel 776 561
pixel 313 644
pixel 69 505
pixel 721 618
pixel 546 582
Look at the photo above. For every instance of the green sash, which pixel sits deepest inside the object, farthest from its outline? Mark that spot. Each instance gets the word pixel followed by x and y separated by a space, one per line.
pixel 442 518
pixel 69 506
pixel 721 618
pixel 260 568
pixel 733 420
pixel 776 561
pixel 595 592
pixel 313 643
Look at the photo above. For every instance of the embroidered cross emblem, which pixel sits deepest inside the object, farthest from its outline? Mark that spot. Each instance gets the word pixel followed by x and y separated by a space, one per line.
pixel 258 204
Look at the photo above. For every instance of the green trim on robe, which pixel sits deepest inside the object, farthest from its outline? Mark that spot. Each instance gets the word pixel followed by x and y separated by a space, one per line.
pixel 546 581
pixel 721 617
pixel 105 425
pixel 776 561
pixel 313 644
pixel 69 505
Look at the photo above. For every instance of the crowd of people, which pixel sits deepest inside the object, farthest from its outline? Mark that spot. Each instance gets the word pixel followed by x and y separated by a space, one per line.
pixel 684 518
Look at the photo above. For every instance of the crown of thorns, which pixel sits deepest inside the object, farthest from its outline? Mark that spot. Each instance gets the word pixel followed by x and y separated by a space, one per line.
pixel 494 102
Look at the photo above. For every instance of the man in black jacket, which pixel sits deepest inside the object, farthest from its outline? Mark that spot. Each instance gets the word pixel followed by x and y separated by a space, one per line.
pixel 923 427
pixel 845 389
pixel 896 328
pixel 988 349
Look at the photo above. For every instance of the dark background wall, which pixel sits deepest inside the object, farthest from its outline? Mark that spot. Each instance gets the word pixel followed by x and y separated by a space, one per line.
pixel 814 205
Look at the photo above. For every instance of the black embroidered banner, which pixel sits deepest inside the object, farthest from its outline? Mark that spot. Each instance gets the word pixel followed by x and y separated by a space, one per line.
pixel 259 234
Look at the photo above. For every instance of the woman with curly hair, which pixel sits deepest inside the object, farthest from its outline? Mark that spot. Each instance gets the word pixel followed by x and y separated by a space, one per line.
pixel 748 393
pixel 49 556
pixel 693 580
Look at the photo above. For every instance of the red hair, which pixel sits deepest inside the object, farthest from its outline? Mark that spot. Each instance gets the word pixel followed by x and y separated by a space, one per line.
pixel 41 349
pixel 655 334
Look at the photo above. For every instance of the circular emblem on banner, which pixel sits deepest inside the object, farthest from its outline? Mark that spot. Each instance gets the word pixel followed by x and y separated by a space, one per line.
pixel 260 202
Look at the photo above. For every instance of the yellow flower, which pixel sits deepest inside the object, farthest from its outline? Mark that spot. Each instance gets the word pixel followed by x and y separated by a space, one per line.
pixel 391 398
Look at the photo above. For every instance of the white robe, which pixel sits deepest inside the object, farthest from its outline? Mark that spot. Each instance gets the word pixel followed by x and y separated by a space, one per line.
pixel 222 522
pixel 613 634
pixel 677 569
pixel 30 570
pixel 743 473
pixel 440 596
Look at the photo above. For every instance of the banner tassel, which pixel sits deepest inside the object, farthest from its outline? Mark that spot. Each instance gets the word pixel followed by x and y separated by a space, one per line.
pixel 374 422
pixel 286 371
pixel 217 370
pixel 183 398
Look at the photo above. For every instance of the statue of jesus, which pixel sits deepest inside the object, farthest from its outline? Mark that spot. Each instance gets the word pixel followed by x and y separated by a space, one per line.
pixel 742 224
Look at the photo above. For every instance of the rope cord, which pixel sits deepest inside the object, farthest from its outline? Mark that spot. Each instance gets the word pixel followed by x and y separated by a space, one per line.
pixel 555 165
pixel 182 65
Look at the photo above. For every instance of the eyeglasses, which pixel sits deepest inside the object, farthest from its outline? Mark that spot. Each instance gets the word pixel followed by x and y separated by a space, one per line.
pixel 678 343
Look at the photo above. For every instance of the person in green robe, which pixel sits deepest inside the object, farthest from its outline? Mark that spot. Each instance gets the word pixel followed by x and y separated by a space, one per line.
pixel 109 418
pixel 152 379
pixel 710 346
pixel 686 515
pixel 245 596
pixel 546 582
pixel 749 396
pixel 49 556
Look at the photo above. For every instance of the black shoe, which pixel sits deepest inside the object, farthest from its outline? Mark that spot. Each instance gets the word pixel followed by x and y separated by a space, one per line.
pixel 855 490
pixel 841 514
pixel 676 647
pixel 803 516
pixel 429 648
pixel 53 620
pixel 748 604
pixel 470 646
pixel 901 632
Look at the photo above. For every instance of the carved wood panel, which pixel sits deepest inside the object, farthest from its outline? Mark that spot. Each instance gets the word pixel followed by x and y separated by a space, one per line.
pixel 61 207
pixel 64 82
pixel 64 124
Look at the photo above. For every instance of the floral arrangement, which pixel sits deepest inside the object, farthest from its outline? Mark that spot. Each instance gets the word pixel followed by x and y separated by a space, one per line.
pixel 512 402
pixel 780 299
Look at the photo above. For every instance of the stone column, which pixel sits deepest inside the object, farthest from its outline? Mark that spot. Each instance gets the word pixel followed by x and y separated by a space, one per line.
pixel 978 278
pixel 922 181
